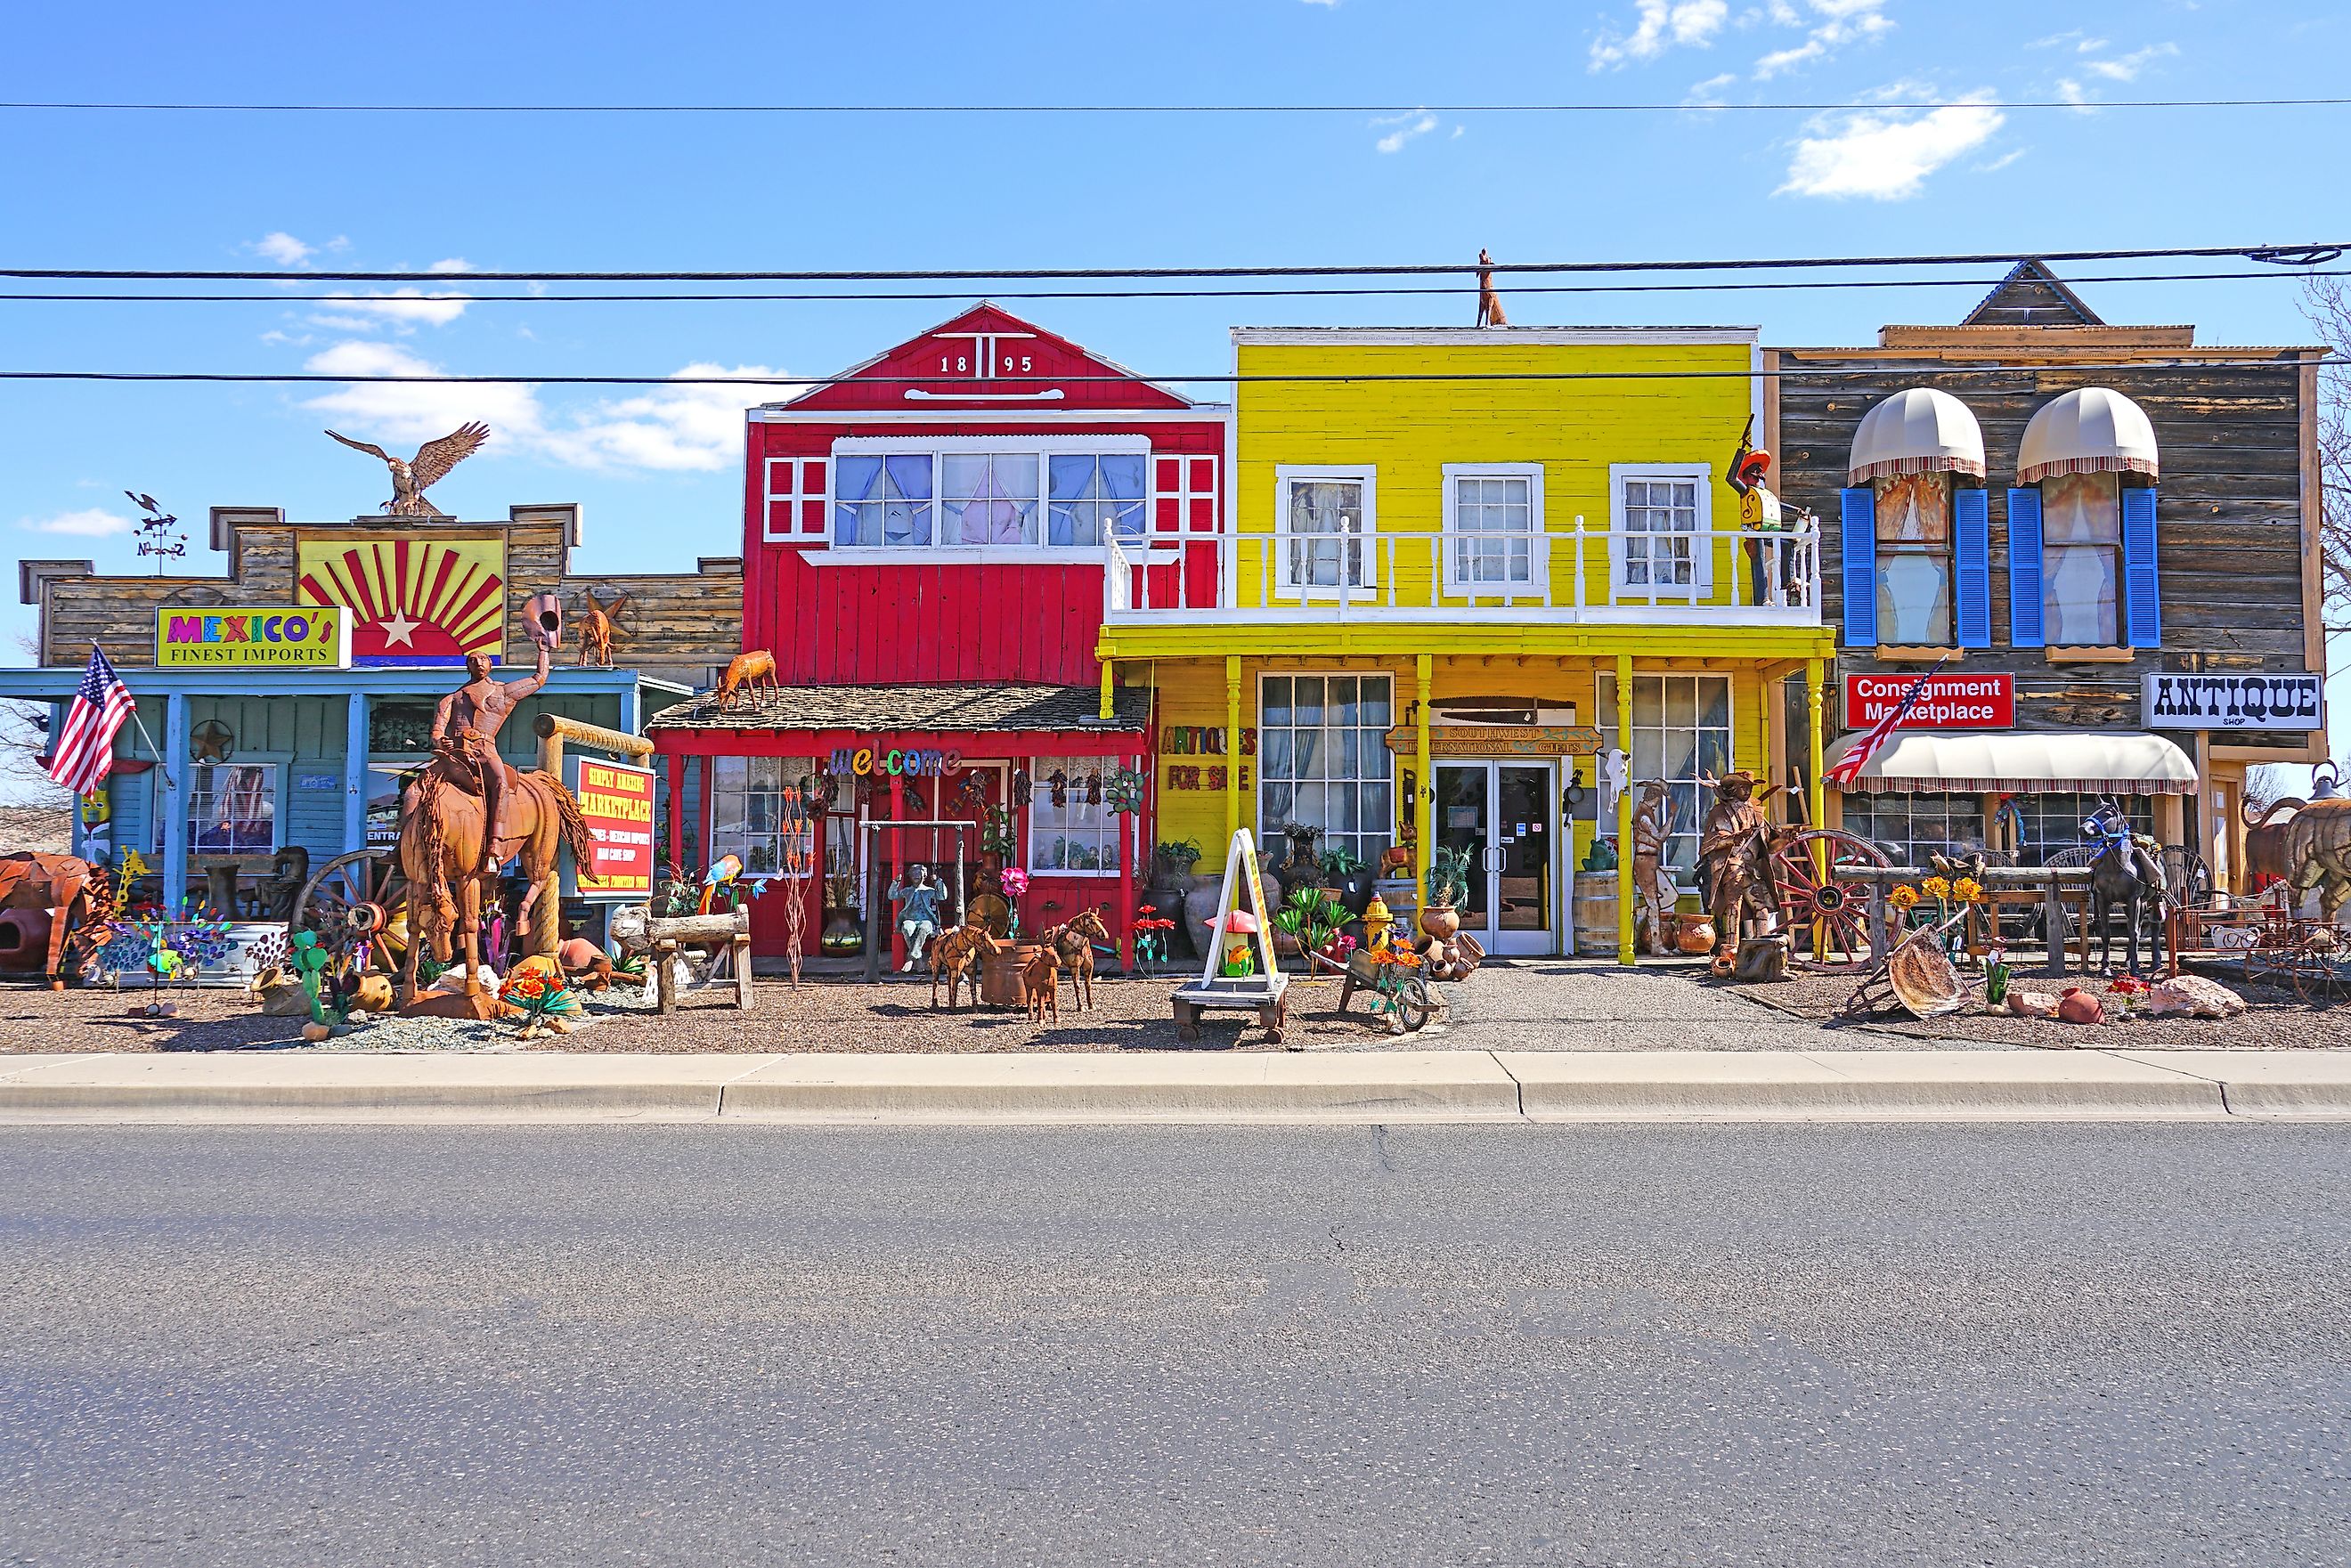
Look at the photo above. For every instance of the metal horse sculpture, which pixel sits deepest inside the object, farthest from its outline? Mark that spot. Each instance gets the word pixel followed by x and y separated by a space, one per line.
pixel 2127 870
pixel 450 878
pixel 61 886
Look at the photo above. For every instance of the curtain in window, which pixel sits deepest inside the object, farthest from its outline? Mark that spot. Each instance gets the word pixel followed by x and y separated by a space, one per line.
pixel 1914 560
pixel 1332 508
pixel 989 497
pixel 881 500
pixel 2081 555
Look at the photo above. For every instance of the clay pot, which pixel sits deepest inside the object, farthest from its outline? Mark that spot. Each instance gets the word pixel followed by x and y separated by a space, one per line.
pixel 841 935
pixel 1694 934
pixel 1003 977
pixel 2077 1006
pixel 1440 920
pixel 373 994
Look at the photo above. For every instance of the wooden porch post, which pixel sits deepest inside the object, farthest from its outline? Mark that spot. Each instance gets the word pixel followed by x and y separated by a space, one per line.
pixel 1129 828
pixel 1423 808
pixel 1625 954
pixel 355 772
pixel 1232 746
pixel 173 801
pixel 677 809
pixel 1109 691
pixel 1816 792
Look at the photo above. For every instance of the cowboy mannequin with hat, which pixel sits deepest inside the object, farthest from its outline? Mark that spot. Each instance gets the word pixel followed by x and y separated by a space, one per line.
pixel 1759 512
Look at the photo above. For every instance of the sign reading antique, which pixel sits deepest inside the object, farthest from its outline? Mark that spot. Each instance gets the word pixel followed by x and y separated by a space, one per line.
pixel 1499 740
pixel 2233 702
pixel 865 760
pixel 244 637
pixel 1985 701
pixel 617 802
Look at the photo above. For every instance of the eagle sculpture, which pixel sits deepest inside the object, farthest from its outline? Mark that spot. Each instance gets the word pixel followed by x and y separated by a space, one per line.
pixel 433 461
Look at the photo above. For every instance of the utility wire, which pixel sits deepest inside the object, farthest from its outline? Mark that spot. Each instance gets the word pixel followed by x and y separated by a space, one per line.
pixel 1222 377
pixel 2295 255
pixel 1454 290
pixel 95 106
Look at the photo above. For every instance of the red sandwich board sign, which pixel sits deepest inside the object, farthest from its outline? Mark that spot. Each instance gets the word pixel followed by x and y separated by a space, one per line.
pixel 1974 700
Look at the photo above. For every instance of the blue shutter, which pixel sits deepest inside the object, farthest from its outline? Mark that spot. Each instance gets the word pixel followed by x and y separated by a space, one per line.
pixel 2142 590
pixel 2024 569
pixel 1858 536
pixel 1971 567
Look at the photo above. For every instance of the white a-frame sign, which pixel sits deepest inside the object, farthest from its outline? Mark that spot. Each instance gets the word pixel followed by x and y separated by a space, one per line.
pixel 1241 879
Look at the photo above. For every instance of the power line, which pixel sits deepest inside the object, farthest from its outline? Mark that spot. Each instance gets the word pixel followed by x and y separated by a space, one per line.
pixel 1220 378
pixel 1130 109
pixel 2295 255
pixel 1451 290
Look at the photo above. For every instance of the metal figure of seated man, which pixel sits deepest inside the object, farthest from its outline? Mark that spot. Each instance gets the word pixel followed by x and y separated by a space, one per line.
pixel 465 740
pixel 917 898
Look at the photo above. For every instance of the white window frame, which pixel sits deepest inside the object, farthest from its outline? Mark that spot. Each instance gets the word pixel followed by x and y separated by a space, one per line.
pixel 1385 835
pixel 1690 824
pixel 281 768
pixel 1367 474
pixel 796 491
pixel 1114 832
pixel 1538 551
pixel 1701 551
pixel 1043 448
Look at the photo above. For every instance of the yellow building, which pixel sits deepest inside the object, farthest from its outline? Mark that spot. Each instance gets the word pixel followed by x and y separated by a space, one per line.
pixel 1456 568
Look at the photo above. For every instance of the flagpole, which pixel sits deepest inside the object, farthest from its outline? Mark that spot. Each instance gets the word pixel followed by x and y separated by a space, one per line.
pixel 161 761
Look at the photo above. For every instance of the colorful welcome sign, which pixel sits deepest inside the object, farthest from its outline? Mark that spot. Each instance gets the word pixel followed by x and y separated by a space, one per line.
pixel 277 636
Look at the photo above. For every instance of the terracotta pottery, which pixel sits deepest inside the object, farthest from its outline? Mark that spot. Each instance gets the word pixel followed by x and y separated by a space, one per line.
pixel 1440 920
pixel 1694 934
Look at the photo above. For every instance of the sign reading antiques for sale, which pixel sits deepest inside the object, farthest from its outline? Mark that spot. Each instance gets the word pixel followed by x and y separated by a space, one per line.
pixel 2235 702
pixel 274 637
pixel 617 801
pixel 1980 701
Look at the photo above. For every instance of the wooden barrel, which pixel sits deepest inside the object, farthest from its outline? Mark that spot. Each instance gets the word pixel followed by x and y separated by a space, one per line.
pixel 1594 914
pixel 1002 978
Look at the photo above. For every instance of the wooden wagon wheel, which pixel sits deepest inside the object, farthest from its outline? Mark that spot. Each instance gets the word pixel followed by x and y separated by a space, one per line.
pixel 362 894
pixel 1821 896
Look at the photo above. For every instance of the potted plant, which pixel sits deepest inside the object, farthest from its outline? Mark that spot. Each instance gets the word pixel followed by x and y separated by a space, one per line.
pixel 1172 862
pixel 1347 874
pixel 995 838
pixel 841 935
pixel 1448 882
pixel 1307 922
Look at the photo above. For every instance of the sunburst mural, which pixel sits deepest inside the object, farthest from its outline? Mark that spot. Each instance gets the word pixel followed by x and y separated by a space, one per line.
pixel 412 600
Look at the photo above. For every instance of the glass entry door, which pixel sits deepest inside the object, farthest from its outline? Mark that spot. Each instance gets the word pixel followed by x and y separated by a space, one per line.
pixel 1504 816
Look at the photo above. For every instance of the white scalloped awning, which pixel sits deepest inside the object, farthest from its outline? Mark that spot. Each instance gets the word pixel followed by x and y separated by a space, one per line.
pixel 1916 431
pixel 2092 431
pixel 2006 763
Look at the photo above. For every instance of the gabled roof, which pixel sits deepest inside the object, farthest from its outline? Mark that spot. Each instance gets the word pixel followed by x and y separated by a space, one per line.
pixel 2031 296
pixel 1028 362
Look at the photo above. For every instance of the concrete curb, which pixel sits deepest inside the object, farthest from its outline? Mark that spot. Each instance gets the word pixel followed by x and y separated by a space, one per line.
pixel 1212 1087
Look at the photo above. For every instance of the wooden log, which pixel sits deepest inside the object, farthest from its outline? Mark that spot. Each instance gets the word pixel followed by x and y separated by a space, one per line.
pixel 684 928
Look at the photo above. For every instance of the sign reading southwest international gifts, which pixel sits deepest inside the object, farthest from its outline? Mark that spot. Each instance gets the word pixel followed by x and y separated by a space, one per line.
pixel 1986 701
pixel 617 802
pixel 2295 703
pixel 278 636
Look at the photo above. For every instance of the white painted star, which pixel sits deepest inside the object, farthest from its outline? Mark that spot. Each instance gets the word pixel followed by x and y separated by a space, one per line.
pixel 399 628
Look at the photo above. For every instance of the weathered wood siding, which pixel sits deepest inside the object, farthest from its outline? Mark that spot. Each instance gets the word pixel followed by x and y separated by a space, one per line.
pixel 2229 525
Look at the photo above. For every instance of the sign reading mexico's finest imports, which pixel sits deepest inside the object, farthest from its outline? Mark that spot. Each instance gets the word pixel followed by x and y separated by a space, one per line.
pixel 280 636
pixel 617 801
pixel 1986 701
pixel 2184 701
pixel 412 600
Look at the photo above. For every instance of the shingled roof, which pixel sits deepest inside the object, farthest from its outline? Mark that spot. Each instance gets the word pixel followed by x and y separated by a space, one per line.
pixel 935 707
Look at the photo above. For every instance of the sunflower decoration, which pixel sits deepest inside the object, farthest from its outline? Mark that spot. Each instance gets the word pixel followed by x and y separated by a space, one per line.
pixel 1904 897
pixel 1967 890
pixel 1937 888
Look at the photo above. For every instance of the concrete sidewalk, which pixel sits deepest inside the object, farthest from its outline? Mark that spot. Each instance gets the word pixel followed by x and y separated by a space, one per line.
pixel 1393 1086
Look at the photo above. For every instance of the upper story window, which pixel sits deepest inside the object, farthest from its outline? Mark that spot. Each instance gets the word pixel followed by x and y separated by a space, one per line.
pixel 1914 560
pixel 1916 528
pixel 1493 514
pixel 2082 570
pixel 1327 515
pixel 967 493
pixel 1662 516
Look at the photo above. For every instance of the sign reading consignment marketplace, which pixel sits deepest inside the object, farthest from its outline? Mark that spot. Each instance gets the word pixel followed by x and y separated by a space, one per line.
pixel 617 802
pixel 246 637
pixel 2233 702
pixel 1982 701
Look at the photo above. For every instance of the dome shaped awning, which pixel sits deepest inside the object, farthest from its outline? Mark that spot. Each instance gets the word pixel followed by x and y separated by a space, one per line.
pixel 1915 431
pixel 2092 431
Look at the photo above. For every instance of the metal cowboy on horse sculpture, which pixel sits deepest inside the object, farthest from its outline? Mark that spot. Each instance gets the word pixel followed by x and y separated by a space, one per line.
pixel 2126 870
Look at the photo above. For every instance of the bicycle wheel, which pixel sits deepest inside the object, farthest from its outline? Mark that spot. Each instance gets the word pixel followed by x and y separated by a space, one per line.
pixel 1413 1005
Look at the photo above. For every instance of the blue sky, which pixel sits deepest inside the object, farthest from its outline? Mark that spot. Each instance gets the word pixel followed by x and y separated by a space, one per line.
pixel 659 471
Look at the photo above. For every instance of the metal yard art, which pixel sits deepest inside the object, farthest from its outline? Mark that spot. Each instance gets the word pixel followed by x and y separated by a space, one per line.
pixel 411 478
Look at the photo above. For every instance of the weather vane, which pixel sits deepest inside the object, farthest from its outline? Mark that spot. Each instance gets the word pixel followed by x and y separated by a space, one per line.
pixel 159 534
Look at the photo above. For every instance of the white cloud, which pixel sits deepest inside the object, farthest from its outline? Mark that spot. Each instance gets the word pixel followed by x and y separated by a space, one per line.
pixel 282 249
pixel 1886 155
pixel 2002 162
pixel 451 263
pixel 1420 122
pixel 2129 67
pixel 1707 93
pixel 89 522
pixel 1663 24
pixel 1331 4
pixel 404 308
pixel 1834 23
pixel 667 429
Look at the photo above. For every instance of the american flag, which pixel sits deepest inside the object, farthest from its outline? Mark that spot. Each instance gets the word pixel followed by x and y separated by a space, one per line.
pixel 85 747
pixel 1848 767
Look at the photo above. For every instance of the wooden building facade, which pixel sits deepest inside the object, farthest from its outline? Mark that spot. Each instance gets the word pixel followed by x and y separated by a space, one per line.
pixel 2103 539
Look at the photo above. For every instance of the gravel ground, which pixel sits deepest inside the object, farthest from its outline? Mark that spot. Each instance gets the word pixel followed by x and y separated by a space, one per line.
pixel 2277 1019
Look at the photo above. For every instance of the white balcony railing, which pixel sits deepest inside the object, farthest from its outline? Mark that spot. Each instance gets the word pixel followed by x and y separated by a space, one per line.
pixel 1596 576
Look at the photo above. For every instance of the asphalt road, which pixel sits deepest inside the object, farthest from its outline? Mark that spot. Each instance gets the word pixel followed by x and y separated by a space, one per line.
pixel 1661 1346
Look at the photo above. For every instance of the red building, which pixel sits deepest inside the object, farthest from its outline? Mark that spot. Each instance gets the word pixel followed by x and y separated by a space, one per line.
pixel 925 545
